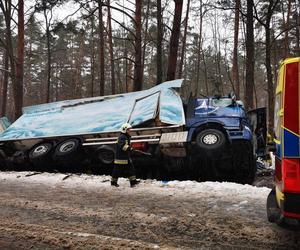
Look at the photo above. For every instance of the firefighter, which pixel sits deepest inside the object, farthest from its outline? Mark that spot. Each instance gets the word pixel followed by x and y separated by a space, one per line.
pixel 122 160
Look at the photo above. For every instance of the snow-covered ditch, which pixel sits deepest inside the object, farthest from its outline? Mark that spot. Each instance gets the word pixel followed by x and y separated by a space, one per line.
pixel 179 188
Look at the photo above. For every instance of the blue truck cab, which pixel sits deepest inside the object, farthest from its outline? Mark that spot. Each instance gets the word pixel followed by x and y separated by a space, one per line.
pixel 220 135
pixel 224 113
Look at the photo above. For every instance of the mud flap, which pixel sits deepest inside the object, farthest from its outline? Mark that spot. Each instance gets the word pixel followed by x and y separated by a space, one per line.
pixel 273 211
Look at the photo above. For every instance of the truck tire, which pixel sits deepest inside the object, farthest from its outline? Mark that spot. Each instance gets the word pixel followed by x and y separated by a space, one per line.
pixel 105 155
pixel 40 156
pixel 40 151
pixel 2 160
pixel 273 211
pixel 67 149
pixel 210 140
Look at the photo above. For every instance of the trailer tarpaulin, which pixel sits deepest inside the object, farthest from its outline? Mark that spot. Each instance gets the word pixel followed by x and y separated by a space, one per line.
pixel 99 114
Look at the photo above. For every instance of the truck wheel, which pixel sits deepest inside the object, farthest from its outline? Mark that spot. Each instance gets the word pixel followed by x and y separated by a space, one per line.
pixel 210 139
pixel 41 150
pixel 106 156
pixel 273 212
pixel 40 156
pixel 66 149
pixel 2 160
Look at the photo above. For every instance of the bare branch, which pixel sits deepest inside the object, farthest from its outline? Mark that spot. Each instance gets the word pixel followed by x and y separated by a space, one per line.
pixel 5 70
pixel 123 38
pixel 130 2
pixel 123 26
pixel 72 13
pixel 125 7
pixel 257 18
pixel 126 58
pixel 112 7
pixel 2 8
pixel 122 11
pixel 130 76
pixel 51 15
pixel 212 6
pixel 283 31
pixel 274 6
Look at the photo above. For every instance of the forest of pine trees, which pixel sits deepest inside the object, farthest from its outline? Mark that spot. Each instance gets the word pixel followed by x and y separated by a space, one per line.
pixel 63 49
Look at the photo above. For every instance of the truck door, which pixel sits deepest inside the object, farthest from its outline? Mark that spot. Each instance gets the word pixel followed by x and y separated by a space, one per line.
pixel 257 119
pixel 144 109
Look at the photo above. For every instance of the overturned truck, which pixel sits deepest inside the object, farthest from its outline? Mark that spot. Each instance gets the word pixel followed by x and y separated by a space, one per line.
pixel 203 139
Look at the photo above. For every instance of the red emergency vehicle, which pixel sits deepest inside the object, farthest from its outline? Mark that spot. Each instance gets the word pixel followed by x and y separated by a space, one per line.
pixel 284 200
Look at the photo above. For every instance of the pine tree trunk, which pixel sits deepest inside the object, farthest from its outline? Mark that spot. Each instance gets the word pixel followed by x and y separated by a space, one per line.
pixel 137 82
pixel 172 61
pixel 49 67
pixel 249 57
pixel 28 73
pixel 269 80
pixel 205 74
pixel 145 39
pixel 184 40
pixel 235 69
pixel 78 64
pixel 159 77
pixel 101 49
pixel 298 30
pixel 10 52
pixel 92 57
pixel 199 50
pixel 111 50
pixel 18 89
pixel 4 85
pixel 270 84
pixel 286 37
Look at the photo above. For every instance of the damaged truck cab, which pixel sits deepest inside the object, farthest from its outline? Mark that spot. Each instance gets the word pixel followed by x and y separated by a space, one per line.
pixel 221 139
pixel 283 202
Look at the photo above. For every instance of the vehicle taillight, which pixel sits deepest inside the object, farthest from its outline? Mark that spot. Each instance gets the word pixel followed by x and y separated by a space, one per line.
pixel 291 175
pixel 139 146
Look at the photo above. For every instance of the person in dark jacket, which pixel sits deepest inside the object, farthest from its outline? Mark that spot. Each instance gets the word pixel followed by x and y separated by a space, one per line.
pixel 122 160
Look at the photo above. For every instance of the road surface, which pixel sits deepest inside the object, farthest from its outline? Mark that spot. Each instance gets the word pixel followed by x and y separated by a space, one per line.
pixel 56 211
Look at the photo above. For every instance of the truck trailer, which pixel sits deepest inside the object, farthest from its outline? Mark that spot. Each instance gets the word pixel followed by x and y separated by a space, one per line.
pixel 208 138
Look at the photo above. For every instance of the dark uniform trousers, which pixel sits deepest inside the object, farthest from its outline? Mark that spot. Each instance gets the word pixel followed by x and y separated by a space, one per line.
pixel 123 169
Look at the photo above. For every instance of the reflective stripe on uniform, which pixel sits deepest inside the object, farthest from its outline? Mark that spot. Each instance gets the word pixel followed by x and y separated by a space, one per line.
pixel 120 161
pixel 126 146
pixel 132 178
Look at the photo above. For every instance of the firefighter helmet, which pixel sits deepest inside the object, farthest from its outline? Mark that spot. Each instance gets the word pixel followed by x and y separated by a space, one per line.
pixel 125 127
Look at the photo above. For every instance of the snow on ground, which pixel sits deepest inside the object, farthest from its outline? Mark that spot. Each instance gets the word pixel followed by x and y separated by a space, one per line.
pixel 235 191
pixel 72 211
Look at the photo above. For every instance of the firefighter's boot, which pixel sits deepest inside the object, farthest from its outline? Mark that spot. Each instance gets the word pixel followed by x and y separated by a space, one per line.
pixel 114 183
pixel 134 182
